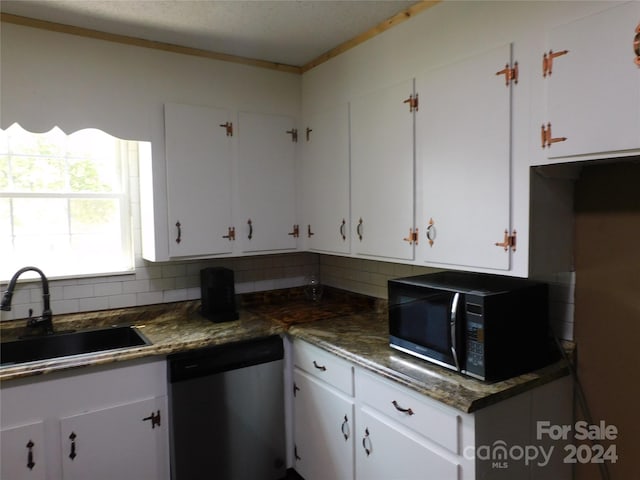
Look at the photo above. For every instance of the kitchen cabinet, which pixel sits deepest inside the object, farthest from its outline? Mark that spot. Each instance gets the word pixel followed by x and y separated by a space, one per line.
pixel 199 163
pixel 382 172
pixel 124 441
pixel 463 158
pixel 265 198
pixel 325 181
pixel 403 436
pixel 388 451
pixel 103 423
pixel 593 87
pixel 395 432
pixel 22 452
pixel 323 415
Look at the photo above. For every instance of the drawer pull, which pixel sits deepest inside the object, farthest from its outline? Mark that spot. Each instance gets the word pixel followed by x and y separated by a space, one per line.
pixel 30 462
pixel 345 428
pixel 366 442
pixel 72 451
pixel 408 411
pixel 319 367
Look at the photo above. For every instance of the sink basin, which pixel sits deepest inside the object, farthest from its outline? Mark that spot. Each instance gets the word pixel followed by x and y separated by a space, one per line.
pixel 68 344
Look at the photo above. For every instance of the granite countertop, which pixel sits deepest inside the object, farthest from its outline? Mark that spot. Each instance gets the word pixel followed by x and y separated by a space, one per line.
pixel 353 327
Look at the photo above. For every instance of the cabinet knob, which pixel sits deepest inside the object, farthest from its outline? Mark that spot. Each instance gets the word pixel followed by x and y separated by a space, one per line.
pixel 345 428
pixel 342 228
pixel 397 406
pixel 322 368
pixel 431 232
pixel 30 462
pixel 366 442
pixel 359 229
pixel 179 237
pixel 636 46
pixel 72 451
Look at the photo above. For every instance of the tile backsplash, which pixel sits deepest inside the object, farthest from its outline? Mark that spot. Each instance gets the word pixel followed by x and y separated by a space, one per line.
pixel 159 283
pixel 177 281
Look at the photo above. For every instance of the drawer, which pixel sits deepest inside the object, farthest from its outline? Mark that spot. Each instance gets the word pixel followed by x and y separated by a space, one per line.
pixel 422 415
pixel 323 365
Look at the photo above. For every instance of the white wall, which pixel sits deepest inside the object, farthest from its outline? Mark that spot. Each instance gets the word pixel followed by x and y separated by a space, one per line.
pixel 50 78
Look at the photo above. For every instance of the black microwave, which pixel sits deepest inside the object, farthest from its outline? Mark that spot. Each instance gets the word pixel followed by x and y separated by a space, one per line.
pixel 486 326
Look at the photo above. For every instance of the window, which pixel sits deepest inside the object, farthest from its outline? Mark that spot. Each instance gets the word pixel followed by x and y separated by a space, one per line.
pixel 64 202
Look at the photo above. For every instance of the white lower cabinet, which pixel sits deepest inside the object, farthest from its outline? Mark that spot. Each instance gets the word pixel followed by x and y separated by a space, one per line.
pixel 125 441
pixel 104 423
pixel 323 430
pixel 323 414
pixel 389 451
pixel 354 424
pixel 22 452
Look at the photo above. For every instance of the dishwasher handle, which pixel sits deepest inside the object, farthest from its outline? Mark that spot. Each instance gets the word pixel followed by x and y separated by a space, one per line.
pixel 223 358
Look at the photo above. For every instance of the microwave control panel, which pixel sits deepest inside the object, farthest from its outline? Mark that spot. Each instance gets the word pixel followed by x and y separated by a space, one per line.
pixel 475 343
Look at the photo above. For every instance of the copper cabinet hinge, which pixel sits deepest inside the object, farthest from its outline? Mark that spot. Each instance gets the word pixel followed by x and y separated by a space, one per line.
pixel 228 127
pixel 412 237
pixel 547 138
pixel 154 418
pixel 294 134
pixel 547 61
pixel 509 241
pixel 510 73
pixel 231 235
pixel 296 231
pixel 413 103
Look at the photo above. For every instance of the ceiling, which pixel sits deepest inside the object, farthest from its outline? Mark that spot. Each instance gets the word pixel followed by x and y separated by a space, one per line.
pixel 287 32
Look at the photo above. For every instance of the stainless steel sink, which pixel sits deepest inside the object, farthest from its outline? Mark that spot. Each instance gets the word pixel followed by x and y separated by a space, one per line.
pixel 70 343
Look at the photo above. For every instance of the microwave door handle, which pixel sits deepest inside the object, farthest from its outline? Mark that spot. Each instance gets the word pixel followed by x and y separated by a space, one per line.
pixel 454 329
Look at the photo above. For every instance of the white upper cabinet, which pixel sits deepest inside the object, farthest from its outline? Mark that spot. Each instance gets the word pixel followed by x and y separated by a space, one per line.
pixel 199 162
pixel 325 181
pixel 593 86
pixel 463 158
pixel 265 197
pixel 382 173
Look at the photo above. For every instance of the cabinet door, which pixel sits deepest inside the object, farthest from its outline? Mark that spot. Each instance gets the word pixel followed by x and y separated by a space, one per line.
pixel 325 183
pixel 23 452
pixel 463 160
pixel 198 155
pixel 382 190
pixel 128 442
pixel 324 429
pixel 594 88
pixel 266 183
pixel 388 451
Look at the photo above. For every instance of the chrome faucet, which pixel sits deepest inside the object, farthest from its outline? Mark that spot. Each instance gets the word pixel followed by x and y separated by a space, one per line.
pixel 46 320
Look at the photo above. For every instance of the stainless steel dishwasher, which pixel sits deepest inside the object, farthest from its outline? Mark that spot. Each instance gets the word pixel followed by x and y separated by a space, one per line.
pixel 227 412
